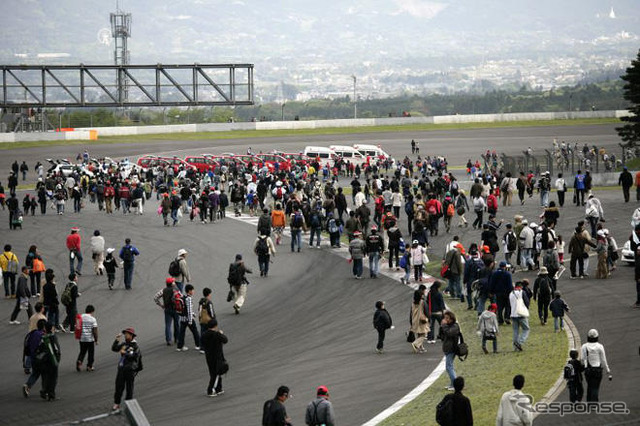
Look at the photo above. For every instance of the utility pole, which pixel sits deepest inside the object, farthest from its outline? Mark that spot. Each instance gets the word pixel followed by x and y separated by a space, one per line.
pixel 355 99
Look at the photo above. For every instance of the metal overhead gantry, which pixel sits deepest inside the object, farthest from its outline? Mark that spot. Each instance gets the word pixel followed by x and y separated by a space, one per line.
pixel 60 86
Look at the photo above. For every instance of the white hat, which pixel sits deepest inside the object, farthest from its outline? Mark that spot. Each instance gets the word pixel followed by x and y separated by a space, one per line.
pixel 110 250
pixel 278 183
pixel 593 333
pixel 182 252
pixel 533 225
pixel 606 231
pixel 600 233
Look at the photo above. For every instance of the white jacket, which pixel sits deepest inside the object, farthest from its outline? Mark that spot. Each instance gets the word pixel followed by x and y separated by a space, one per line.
pixel 526 237
pixel 97 244
pixel 515 409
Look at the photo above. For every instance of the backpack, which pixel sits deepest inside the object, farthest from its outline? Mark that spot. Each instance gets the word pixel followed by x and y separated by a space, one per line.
pixel 432 209
pixel 444 411
pixel 332 226
pixel 174 268
pixel 78 327
pixel 569 371
pixel 545 286
pixel 279 193
pixel 127 254
pixel 167 295
pixel 297 220
pixel 314 221
pixel 512 243
pixel 450 210
pixel 65 298
pixel 12 264
pixel 179 303
pixel 262 248
pixel 403 262
pixel 204 313
pixel 233 278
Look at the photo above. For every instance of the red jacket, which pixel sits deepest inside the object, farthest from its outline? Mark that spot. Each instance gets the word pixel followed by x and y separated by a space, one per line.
pixel 73 241
pixel 492 202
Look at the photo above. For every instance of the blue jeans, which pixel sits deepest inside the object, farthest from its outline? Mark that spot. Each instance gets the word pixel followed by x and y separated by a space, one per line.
pixel 495 344
pixel 125 205
pixel 76 255
pixel 357 267
pixel 263 263
pixel 128 275
pixel 174 216
pixel 179 286
pixel 482 301
pixel 315 232
pixel 374 263
pixel 296 239
pixel 450 357
pixel 517 323
pixel 525 257
pixel 558 323
pixel 169 318
pixel 183 330
pixel 544 198
pixel 454 286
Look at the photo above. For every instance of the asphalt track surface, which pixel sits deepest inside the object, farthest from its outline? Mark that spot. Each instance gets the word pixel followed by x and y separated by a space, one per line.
pixel 307 324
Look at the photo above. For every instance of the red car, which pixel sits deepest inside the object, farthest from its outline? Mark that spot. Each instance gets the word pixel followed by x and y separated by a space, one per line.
pixel 271 159
pixel 299 159
pixel 148 161
pixel 202 163
pixel 224 160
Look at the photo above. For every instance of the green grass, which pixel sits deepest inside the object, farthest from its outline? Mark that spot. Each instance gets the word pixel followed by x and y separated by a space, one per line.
pixel 487 377
pixel 236 134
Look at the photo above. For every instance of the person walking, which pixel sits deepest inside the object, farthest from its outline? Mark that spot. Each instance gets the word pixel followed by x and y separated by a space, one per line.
pixel 110 265
pixel 357 251
pixel 165 298
pixel 88 338
pixel 594 213
pixel 128 255
pixel 419 321
pixel 75 251
pixel 238 283
pixel 182 274
pixel 50 299
pixel 187 319
pixel 274 412
pixel 374 248
pixel 129 365
pixel 626 180
pixel 69 299
pixel 31 344
pixel 23 294
pixel 381 322
pixel 296 222
pixel 561 189
pixel 9 264
pixel 515 406
pixel 594 361
pixel 542 289
pixel 47 363
pixel 488 327
pixel 278 222
pixel 213 341
pixel 97 252
pixel 519 302
pixel 205 311
pixel 501 286
pixel 451 335
pixel 320 410
pixel 462 414
pixel 264 248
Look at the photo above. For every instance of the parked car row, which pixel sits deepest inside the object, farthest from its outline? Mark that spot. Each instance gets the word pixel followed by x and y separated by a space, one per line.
pixel 356 154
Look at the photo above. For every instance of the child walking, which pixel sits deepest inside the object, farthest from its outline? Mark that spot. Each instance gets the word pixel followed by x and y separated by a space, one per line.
pixel 573 375
pixel 417 255
pixel 558 307
pixel 381 322
pixel 405 264
pixel 488 327
pixel 110 264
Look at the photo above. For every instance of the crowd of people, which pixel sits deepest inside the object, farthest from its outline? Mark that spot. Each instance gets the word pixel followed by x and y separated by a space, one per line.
pixel 384 194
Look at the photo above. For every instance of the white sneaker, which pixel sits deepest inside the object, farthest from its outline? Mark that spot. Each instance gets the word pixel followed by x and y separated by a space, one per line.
pixel 14 322
pixel 197 348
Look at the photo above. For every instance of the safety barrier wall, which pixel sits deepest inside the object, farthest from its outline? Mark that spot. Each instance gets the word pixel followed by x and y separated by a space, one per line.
pixel 83 133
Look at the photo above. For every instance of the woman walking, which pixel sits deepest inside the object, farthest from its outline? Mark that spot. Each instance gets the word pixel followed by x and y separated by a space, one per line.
pixel 451 334
pixel 419 321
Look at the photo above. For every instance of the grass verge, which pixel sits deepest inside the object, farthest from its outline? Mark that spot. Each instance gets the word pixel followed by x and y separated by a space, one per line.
pixel 487 377
pixel 236 134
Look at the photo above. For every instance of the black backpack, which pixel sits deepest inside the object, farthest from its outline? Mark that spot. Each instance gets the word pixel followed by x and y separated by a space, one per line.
pixel 444 411
pixel 127 254
pixel 233 278
pixel 510 238
pixel 569 371
pixel 174 268
pixel 262 248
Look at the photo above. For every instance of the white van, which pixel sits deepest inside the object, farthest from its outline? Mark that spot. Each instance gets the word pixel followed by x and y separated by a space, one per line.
pixel 373 151
pixel 322 154
pixel 348 153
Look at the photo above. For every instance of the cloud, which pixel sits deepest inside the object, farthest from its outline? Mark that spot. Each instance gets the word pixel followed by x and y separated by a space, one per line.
pixel 420 8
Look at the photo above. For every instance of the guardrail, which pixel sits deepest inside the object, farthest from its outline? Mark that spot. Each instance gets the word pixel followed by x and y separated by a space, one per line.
pixel 83 133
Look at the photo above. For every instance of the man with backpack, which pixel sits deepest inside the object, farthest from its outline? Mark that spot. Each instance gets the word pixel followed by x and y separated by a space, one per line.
pixel 472 268
pixel 263 247
pixel 320 410
pixel 238 283
pixel 69 299
pixel 450 211
pixel 542 289
pixel 31 342
pixel 179 270
pixel 166 299
pixel 374 246
pixel 264 223
pixel 455 408
pixel 297 227
pixel 509 243
pixel 315 227
pixel 128 254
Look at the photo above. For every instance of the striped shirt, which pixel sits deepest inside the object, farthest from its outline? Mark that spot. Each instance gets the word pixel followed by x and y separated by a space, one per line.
pixel 88 324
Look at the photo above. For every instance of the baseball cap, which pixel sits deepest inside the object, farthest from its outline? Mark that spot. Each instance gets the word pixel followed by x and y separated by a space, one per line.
pixel 322 390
